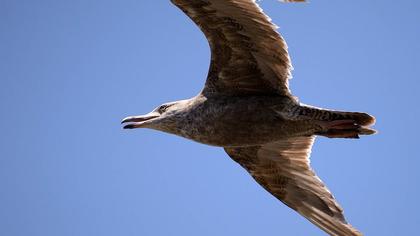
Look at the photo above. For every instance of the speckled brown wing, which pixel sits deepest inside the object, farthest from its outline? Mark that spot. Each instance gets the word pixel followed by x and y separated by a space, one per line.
pixel 248 55
pixel 283 169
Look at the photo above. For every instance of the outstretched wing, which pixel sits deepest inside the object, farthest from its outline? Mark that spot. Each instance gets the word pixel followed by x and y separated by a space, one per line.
pixel 248 55
pixel 283 169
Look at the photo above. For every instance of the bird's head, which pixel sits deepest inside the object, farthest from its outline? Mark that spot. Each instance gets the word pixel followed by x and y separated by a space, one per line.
pixel 160 117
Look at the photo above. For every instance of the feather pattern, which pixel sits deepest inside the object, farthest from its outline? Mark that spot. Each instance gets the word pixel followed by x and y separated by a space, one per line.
pixel 247 108
pixel 248 55
pixel 283 169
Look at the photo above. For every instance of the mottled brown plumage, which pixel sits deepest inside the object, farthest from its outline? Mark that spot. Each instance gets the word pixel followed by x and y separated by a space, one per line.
pixel 246 108
pixel 248 55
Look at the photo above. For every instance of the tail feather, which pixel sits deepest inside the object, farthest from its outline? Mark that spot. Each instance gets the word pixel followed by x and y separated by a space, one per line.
pixel 367 131
pixel 360 118
pixel 340 124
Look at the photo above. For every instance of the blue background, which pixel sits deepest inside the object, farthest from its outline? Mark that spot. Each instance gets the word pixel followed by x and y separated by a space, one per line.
pixel 71 70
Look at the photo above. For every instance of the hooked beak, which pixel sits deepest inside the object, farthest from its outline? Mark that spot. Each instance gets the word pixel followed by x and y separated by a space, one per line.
pixel 138 121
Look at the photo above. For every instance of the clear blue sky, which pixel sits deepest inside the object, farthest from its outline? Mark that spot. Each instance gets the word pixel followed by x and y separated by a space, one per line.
pixel 71 70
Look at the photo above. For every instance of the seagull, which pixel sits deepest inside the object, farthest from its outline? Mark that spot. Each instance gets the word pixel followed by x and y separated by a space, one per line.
pixel 246 108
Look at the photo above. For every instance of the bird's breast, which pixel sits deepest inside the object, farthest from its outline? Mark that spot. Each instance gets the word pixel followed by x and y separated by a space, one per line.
pixel 235 122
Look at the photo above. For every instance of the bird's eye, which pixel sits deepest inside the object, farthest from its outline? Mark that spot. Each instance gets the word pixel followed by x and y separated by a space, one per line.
pixel 162 108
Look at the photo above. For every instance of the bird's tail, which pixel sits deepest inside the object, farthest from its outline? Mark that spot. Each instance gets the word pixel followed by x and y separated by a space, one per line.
pixel 346 124
pixel 339 124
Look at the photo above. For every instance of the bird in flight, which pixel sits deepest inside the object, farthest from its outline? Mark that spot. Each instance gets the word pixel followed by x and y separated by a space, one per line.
pixel 246 107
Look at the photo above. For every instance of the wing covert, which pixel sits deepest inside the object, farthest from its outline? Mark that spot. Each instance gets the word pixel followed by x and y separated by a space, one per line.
pixel 248 55
pixel 283 169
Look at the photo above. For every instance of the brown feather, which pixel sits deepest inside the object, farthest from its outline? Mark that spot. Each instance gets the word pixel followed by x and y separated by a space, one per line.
pixel 249 57
pixel 283 169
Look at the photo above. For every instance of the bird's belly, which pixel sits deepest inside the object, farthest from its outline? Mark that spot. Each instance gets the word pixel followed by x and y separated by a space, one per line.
pixel 239 121
pixel 244 130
